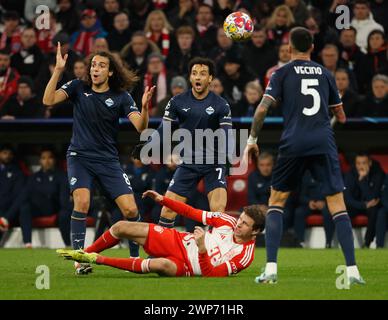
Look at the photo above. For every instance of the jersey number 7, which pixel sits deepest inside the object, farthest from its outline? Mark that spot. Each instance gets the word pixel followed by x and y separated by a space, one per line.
pixel 307 90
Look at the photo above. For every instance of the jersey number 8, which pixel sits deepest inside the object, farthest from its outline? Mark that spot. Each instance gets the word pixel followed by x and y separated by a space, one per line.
pixel 306 90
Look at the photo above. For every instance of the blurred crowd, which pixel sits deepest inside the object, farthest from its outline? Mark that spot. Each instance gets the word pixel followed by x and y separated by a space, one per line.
pixel 157 39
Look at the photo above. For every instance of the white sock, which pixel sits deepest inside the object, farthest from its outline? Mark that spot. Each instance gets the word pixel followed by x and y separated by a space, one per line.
pixel 352 271
pixel 271 268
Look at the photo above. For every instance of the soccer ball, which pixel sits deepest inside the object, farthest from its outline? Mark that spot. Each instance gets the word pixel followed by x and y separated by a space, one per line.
pixel 238 26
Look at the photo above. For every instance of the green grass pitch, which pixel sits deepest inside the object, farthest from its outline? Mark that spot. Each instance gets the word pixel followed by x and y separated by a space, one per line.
pixel 303 274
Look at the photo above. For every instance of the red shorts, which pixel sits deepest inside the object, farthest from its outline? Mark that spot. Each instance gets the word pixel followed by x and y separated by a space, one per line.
pixel 167 243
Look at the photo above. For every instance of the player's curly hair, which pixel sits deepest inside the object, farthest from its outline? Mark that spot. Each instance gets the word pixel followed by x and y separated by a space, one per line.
pixel 257 212
pixel 122 79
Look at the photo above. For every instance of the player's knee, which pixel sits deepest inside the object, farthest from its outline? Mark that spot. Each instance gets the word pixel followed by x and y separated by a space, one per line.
pixel 167 213
pixel 217 207
pixel 120 228
pixel 81 204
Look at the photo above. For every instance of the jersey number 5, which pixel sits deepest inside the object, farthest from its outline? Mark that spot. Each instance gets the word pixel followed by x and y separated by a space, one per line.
pixel 306 90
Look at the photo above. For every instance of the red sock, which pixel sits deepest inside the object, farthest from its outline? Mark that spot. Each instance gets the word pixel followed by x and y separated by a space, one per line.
pixel 106 241
pixel 137 265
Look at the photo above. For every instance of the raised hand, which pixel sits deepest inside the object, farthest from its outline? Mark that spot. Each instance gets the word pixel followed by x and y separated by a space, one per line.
pixel 61 61
pixel 147 96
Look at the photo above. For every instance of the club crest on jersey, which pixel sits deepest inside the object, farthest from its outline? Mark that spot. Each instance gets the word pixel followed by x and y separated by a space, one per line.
pixel 73 181
pixel 213 214
pixel 109 102
pixel 209 110
pixel 158 229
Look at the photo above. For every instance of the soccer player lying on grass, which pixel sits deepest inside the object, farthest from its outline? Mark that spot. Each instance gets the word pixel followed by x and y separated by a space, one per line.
pixel 225 250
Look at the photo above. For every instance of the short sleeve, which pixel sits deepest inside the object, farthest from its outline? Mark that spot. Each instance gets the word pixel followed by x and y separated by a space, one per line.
pixel 274 87
pixel 170 112
pixel 70 87
pixel 334 95
pixel 128 105
pixel 225 116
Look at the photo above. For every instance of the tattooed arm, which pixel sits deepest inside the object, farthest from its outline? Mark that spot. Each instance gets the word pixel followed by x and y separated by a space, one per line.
pixel 258 119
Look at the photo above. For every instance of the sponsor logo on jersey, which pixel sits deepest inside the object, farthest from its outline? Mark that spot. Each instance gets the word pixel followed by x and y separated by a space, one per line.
pixel 210 110
pixel 73 153
pixel 186 109
pixel 51 178
pixel 73 180
pixel 109 102
pixel 9 175
pixel 171 183
pixel 158 229
pixel 259 185
pixel 87 94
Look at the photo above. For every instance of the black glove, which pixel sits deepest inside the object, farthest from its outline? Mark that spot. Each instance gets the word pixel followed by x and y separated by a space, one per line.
pixel 136 151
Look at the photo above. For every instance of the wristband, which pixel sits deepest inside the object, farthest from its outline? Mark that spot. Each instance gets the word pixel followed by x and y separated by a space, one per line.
pixel 251 140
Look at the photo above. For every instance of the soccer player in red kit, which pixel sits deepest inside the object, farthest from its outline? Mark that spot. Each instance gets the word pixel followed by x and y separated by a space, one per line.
pixel 226 249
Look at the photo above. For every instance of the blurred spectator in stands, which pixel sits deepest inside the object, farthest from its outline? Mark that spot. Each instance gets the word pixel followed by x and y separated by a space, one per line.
pixel 330 60
pixel 362 193
pixel 82 39
pixel 376 60
pixel 29 59
pixel 375 104
pixel 8 78
pixel 279 25
pixel 45 36
pixel 252 96
pixel 79 69
pixel 11 183
pixel 178 85
pixel 111 8
pixel 136 52
pixel 234 76
pixel 311 200
pixel 382 216
pixel 12 32
pixel 323 34
pixel 218 51
pixel 183 14
pixel 262 10
pixel 350 53
pixel 142 178
pixel 68 15
pixel 259 46
pixel 206 31
pixel 158 30
pixel 350 98
pixel 100 45
pixel 156 75
pixel 138 12
pixel 379 9
pixel 120 35
pixel 299 10
pixel 23 104
pixel 45 193
pixel 284 57
pixel 178 59
pixel 163 178
pixel 31 5
pixel 259 181
pixel 331 13
pixel 217 87
pixel 364 23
